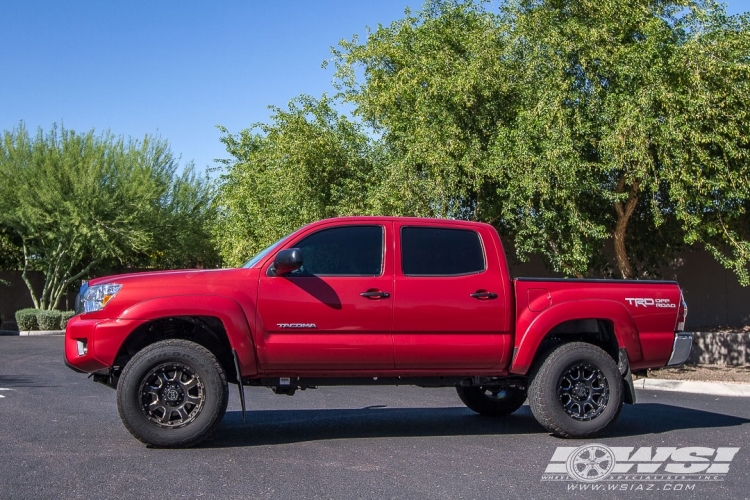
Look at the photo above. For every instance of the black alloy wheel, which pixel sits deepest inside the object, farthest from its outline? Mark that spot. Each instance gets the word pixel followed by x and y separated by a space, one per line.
pixel 172 394
pixel 576 390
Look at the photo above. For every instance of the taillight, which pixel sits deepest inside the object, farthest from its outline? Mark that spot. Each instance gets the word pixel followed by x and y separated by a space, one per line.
pixel 681 315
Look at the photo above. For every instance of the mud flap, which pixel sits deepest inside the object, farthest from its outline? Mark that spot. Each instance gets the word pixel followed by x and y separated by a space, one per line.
pixel 627 377
pixel 242 388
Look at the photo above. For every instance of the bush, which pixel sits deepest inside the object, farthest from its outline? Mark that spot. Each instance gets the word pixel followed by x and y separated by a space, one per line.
pixel 64 317
pixel 48 320
pixel 26 319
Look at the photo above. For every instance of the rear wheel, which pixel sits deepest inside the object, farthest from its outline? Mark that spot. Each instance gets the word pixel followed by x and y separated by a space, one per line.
pixel 576 391
pixel 492 401
pixel 172 394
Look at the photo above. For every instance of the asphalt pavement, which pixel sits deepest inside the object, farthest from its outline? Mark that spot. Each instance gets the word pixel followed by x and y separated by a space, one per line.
pixel 61 437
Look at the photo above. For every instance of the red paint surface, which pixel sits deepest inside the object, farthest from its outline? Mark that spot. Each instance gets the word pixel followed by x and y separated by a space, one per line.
pixel 428 326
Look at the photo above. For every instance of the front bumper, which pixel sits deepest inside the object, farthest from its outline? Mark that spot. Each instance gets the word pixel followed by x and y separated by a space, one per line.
pixel 92 345
pixel 683 342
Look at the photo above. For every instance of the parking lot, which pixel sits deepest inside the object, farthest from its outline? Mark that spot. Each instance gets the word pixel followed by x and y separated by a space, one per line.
pixel 61 437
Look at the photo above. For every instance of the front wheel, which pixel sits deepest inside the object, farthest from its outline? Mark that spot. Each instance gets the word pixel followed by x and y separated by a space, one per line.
pixel 576 391
pixel 492 401
pixel 172 394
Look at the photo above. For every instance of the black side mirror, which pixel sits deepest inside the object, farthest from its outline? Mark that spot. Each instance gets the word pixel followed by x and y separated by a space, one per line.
pixel 287 261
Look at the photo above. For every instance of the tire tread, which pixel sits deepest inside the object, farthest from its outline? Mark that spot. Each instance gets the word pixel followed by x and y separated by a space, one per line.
pixel 125 410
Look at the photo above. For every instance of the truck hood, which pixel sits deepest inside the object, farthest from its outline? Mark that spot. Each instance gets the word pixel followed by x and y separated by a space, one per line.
pixel 139 287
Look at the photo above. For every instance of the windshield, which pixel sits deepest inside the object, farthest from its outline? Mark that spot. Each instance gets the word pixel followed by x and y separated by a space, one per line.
pixel 250 263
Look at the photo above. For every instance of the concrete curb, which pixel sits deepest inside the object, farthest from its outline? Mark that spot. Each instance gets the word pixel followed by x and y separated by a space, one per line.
pixel 694 386
pixel 32 333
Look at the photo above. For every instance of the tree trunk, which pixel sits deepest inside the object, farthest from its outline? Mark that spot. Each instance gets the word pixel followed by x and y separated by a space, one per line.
pixel 25 276
pixel 624 211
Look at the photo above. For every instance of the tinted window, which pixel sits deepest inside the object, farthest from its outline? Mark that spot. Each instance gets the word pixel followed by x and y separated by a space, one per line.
pixel 438 251
pixel 350 251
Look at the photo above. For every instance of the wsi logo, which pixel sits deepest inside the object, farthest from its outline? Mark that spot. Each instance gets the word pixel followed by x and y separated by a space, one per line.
pixel 597 462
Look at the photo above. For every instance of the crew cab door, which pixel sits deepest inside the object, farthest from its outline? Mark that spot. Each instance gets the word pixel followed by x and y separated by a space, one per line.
pixel 451 308
pixel 336 311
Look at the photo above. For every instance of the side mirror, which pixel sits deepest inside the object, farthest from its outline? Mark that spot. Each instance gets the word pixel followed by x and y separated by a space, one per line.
pixel 287 261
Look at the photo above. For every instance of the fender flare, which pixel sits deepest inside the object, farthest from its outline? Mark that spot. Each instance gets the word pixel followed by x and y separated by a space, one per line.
pixel 227 310
pixel 527 343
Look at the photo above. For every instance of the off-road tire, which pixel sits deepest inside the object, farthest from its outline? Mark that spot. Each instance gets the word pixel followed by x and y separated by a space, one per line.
pixel 198 394
pixel 492 401
pixel 588 412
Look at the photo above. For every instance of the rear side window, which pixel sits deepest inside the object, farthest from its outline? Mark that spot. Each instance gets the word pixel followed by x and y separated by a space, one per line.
pixel 432 251
pixel 342 251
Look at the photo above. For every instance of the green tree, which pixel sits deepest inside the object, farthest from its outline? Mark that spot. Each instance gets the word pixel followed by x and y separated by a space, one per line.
pixel 309 163
pixel 79 202
pixel 569 123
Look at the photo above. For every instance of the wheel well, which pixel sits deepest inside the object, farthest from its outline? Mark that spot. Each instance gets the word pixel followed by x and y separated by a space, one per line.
pixel 599 332
pixel 207 331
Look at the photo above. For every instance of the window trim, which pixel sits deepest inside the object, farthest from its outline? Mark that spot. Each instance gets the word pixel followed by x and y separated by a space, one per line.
pixel 401 252
pixel 320 230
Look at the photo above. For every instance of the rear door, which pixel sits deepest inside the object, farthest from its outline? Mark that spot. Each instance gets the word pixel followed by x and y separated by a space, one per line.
pixel 450 309
pixel 336 312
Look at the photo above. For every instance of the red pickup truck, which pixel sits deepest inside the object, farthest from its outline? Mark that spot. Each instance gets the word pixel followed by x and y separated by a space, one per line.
pixel 368 301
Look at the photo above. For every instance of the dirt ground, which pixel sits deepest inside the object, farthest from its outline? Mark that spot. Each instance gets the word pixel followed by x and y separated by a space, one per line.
pixel 707 373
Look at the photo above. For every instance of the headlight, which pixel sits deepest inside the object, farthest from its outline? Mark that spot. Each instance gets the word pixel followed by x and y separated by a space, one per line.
pixel 96 297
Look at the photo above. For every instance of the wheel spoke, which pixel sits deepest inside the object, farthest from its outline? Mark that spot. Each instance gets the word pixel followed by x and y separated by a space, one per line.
pixel 193 400
pixel 167 415
pixel 166 390
pixel 190 383
pixel 182 412
pixel 155 405
pixel 583 391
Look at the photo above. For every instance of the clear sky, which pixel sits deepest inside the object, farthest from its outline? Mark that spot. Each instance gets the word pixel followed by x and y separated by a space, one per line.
pixel 176 69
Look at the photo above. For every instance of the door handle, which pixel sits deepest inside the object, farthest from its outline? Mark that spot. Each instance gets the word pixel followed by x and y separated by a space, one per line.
pixel 371 294
pixel 483 295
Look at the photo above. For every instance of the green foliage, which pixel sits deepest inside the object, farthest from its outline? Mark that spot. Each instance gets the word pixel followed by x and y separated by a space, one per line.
pixel 567 124
pixel 73 203
pixel 309 163
pixel 49 320
pixel 11 254
pixel 26 319
pixel 64 317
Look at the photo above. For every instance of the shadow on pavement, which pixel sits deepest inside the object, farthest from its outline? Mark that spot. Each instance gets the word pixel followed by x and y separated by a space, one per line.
pixel 272 427
pixel 19 381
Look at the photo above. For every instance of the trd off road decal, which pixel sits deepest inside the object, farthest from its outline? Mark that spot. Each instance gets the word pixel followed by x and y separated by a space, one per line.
pixel 650 302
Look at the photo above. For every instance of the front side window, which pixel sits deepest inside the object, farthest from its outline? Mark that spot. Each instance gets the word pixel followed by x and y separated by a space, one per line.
pixel 342 251
pixel 434 251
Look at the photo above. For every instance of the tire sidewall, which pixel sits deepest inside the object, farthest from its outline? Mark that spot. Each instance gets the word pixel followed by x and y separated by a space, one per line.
pixel 476 399
pixel 202 363
pixel 553 368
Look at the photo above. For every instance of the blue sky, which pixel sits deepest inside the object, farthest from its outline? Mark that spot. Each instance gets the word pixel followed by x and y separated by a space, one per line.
pixel 176 69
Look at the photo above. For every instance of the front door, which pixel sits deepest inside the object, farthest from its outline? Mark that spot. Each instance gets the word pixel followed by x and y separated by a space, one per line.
pixel 335 313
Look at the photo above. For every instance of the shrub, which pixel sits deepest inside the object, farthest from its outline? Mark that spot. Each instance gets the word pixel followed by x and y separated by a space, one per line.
pixel 64 317
pixel 48 320
pixel 26 319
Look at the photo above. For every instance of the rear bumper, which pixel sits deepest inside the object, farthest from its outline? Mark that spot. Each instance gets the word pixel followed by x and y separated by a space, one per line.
pixel 683 342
